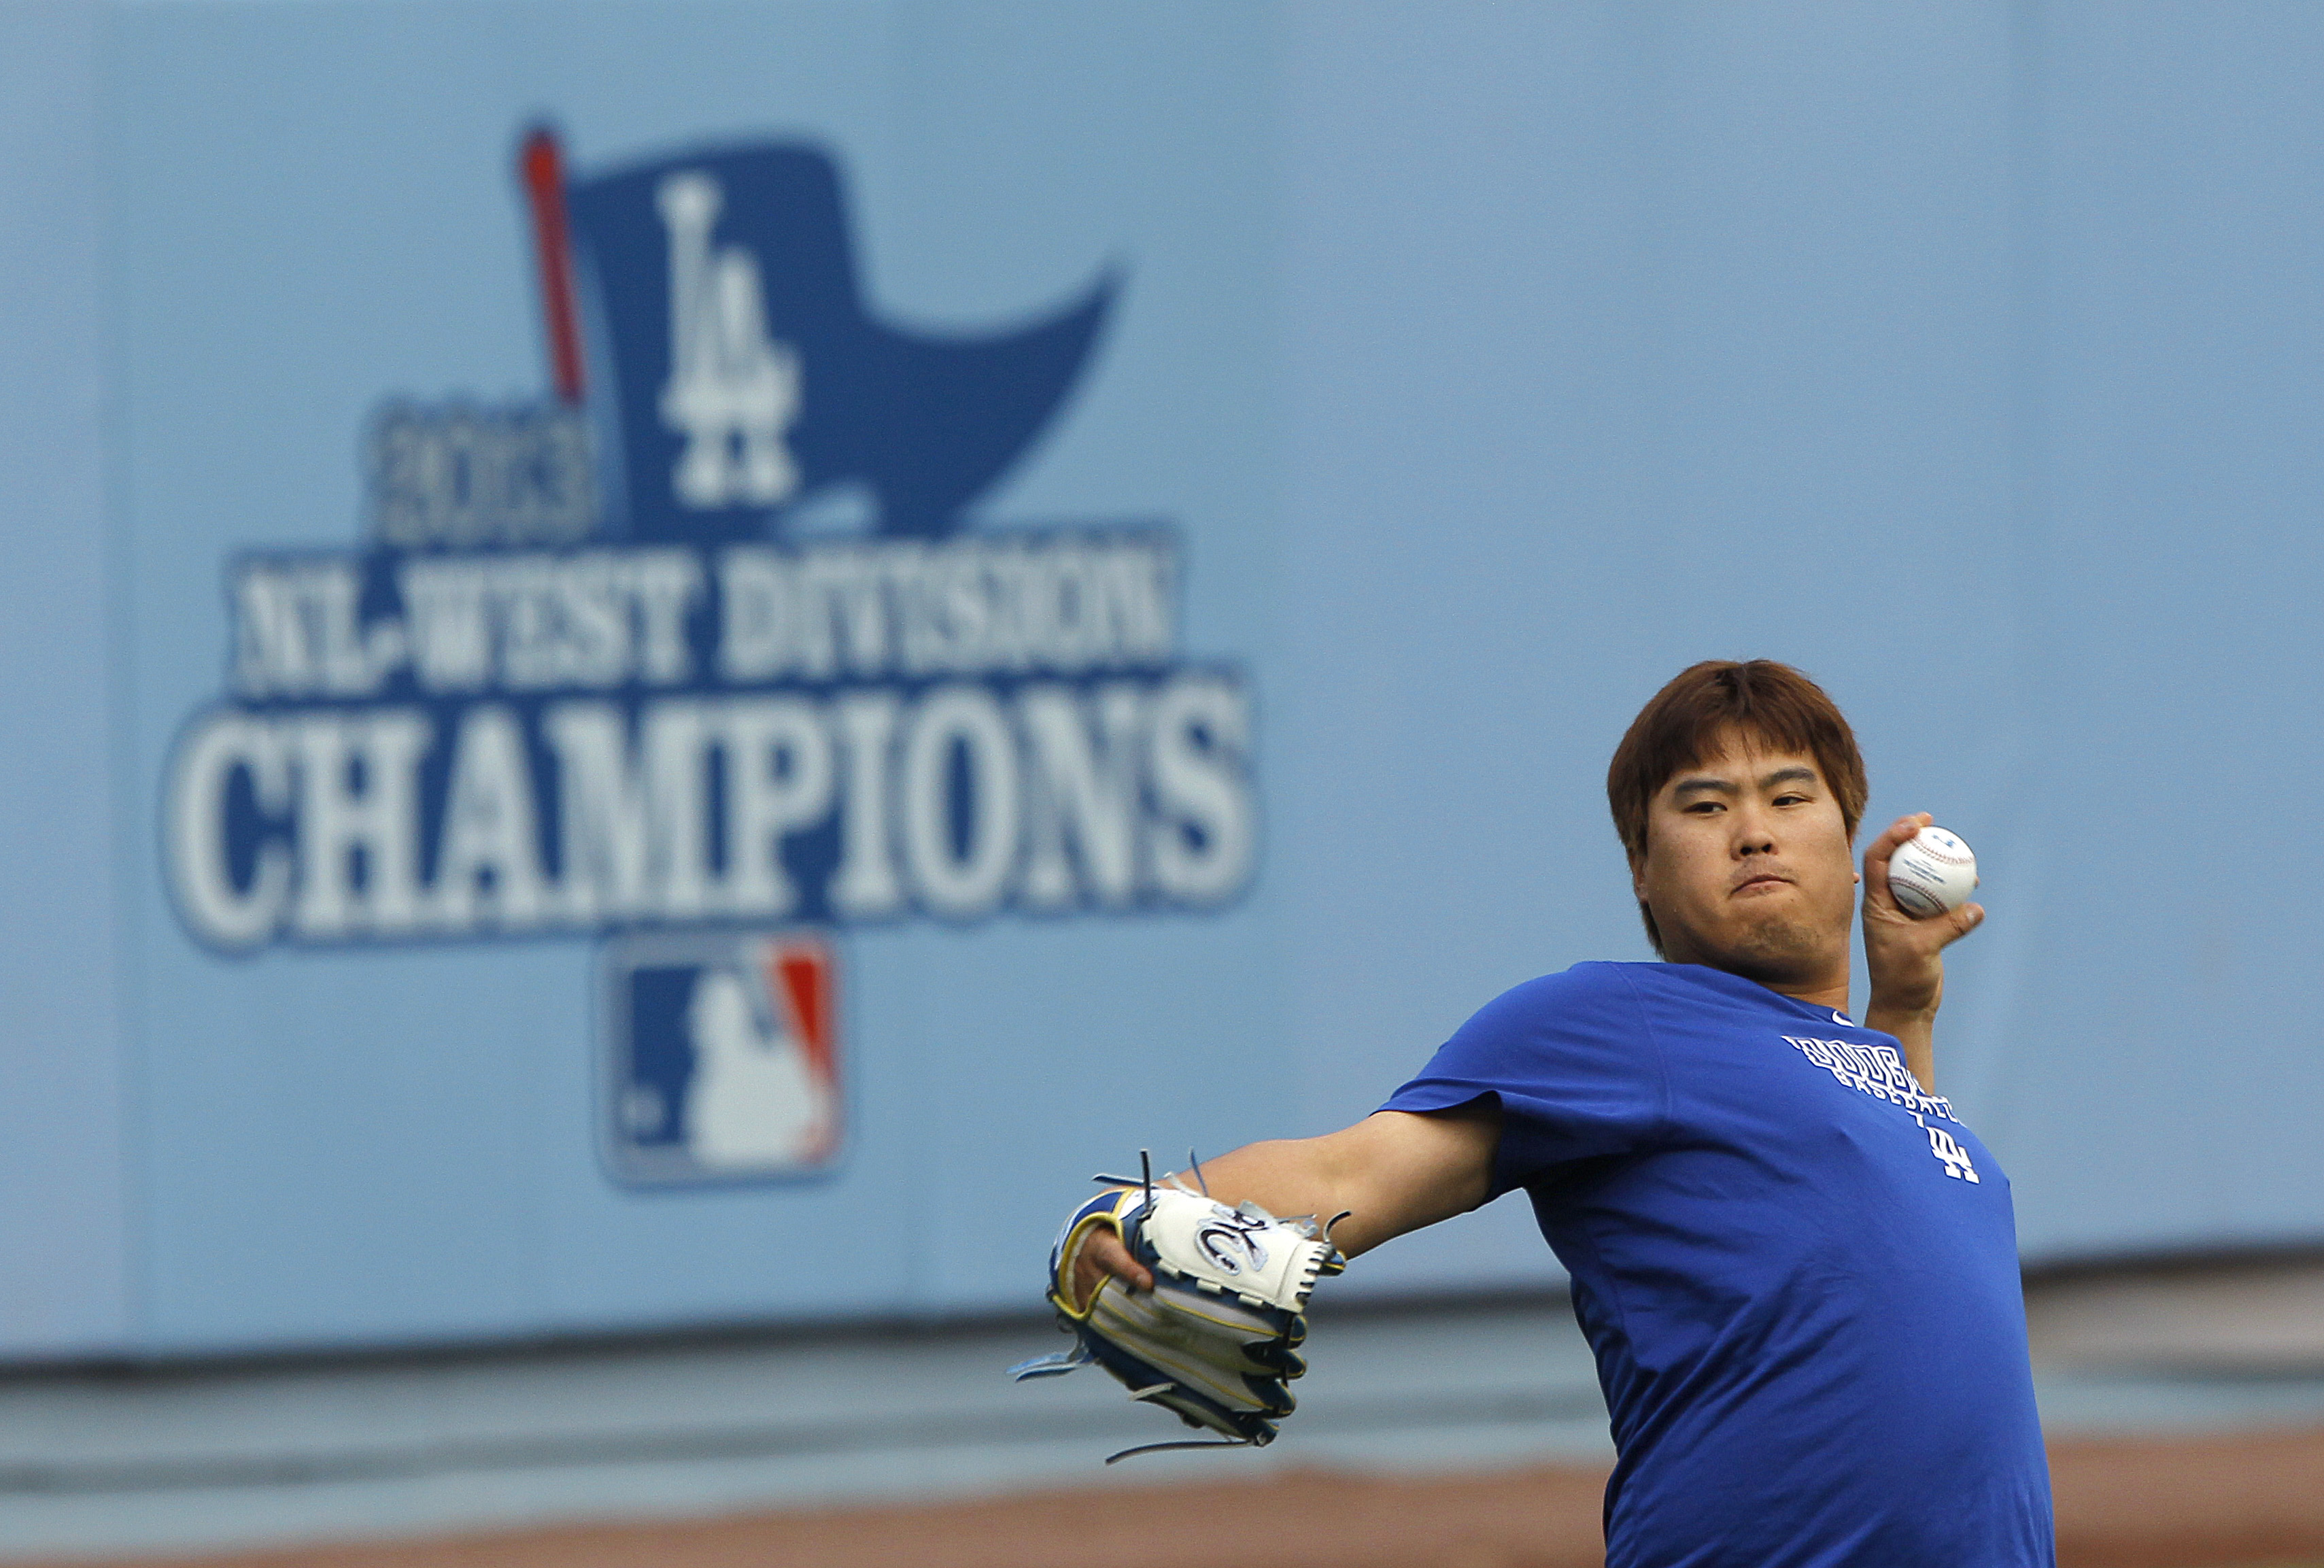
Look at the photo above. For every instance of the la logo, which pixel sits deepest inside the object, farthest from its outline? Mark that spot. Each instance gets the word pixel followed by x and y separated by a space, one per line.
pixel 1949 1152
pixel 733 392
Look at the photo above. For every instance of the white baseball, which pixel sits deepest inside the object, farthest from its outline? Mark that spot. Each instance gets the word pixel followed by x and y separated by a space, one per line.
pixel 1930 872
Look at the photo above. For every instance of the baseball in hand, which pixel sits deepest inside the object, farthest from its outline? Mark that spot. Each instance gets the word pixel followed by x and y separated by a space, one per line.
pixel 1930 872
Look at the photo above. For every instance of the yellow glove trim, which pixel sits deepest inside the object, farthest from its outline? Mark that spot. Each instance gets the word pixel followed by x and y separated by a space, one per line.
pixel 1061 1289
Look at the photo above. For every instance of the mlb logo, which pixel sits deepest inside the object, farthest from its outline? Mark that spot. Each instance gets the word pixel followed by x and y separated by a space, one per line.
pixel 721 1057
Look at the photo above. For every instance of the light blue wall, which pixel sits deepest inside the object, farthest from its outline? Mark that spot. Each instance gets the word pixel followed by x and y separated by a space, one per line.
pixel 1494 363
pixel 397 1145
pixel 2160 1078
pixel 1965 355
pixel 65 1222
pixel 1620 337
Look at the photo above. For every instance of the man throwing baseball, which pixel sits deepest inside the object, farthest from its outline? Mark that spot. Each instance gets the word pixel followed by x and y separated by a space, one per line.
pixel 1797 1268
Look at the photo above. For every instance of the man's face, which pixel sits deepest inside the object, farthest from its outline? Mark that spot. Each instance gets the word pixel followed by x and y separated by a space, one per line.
pixel 1748 866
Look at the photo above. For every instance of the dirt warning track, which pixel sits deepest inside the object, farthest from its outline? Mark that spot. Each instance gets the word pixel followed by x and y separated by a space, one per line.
pixel 2221 1502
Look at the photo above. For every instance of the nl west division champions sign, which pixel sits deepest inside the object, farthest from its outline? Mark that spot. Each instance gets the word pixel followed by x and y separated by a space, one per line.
pixel 696 655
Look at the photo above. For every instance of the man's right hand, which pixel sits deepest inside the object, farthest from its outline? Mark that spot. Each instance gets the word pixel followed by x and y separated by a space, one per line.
pixel 1103 1257
pixel 1393 1171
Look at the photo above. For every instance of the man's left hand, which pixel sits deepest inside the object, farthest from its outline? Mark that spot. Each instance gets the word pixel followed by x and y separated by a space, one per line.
pixel 1903 956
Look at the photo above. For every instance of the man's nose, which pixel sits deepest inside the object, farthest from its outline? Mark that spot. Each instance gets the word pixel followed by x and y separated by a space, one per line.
pixel 1753 835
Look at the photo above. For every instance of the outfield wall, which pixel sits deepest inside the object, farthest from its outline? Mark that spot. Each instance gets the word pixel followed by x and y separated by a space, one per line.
pixel 692 719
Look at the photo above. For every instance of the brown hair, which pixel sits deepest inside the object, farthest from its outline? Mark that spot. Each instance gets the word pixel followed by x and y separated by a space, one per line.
pixel 1776 704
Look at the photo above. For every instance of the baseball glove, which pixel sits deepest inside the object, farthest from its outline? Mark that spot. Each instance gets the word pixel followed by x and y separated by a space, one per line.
pixel 1217 1338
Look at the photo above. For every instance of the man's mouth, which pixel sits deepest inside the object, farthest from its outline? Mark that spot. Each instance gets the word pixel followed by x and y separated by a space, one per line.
pixel 1764 879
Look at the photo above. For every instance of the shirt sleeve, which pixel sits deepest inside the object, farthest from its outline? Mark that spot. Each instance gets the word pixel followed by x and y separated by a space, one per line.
pixel 1571 1059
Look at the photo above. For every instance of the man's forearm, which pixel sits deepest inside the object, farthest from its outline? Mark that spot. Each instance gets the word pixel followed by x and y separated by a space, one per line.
pixel 1915 1030
pixel 1286 1176
pixel 1391 1173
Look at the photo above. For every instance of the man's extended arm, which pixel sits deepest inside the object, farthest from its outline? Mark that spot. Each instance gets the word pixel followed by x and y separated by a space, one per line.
pixel 1390 1173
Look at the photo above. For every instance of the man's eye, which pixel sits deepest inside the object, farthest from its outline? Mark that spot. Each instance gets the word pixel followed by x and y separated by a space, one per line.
pixel 1705 807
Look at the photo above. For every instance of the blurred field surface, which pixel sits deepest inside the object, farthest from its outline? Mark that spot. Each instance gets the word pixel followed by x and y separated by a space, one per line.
pixel 2235 1502
pixel 2184 1404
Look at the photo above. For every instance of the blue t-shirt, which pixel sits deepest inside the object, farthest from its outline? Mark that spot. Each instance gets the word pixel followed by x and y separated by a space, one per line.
pixel 1797 1270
